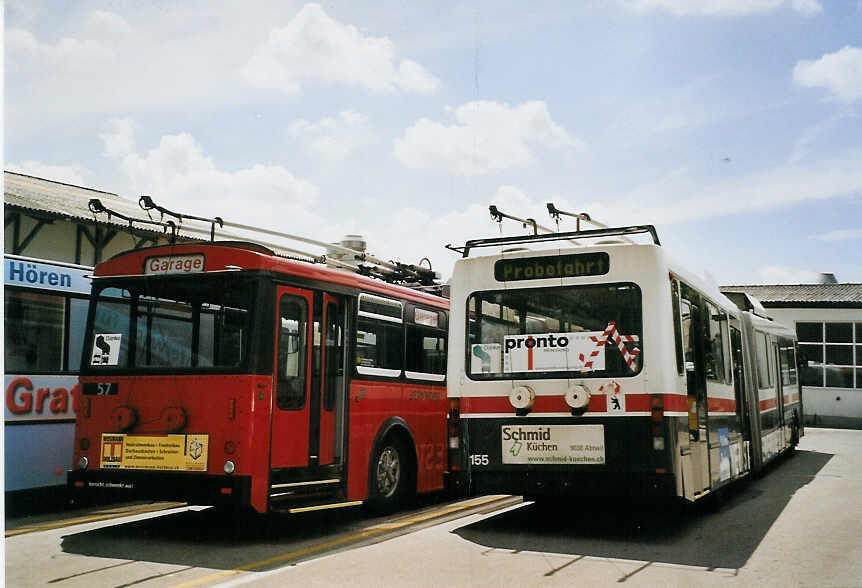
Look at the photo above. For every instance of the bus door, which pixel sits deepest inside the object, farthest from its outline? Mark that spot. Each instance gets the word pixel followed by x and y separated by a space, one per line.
pixel 696 457
pixel 327 415
pixel 309 379
pixel 779 391
pixel 739 392
pixel 293 368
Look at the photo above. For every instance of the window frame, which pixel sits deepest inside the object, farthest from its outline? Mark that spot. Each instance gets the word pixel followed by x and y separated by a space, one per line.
pixel 440 331
pixel 66 368
pixel 823 366
pixel 551 375
pixel 256 359
pixel 303 374
pixel 380 372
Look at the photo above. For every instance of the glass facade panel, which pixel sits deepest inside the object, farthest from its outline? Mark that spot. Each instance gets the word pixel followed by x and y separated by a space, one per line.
pixel 811 353
pixel 812 376
pixel 835 362
pixel 839 332
pixel 839 377
pixel 812 332
pixel 839 354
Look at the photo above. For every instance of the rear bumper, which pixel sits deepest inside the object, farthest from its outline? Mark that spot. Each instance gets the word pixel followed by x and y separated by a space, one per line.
pixel 573 483
pixel 205 489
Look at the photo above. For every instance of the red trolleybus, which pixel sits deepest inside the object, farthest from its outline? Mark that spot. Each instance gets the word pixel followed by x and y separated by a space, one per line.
pixel 221 373
pixel 601 368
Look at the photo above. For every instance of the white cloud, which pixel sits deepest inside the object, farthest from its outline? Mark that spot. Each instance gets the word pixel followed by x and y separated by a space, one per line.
pixel 119 140
pixel 334 138
pixel 487 137
pixel 723 7
pixel 68 52
pixel 180 176
pixel 315 48
pixel 68 174
pixel 679 195
pixel 839 72
pixel 108 23
pixel 410 230
pixel 775 274
pixel 841 235
pixel 807 7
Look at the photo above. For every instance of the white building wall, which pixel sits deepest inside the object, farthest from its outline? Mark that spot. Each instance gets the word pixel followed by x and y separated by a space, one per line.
pixel 826 406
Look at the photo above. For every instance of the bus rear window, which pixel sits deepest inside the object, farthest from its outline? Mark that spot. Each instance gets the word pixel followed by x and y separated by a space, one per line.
pixel 587 331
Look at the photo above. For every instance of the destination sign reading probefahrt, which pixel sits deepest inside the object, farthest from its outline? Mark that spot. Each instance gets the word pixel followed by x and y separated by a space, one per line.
pixel 574 265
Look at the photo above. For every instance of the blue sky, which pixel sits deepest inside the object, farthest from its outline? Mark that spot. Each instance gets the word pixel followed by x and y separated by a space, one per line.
pixel 733 126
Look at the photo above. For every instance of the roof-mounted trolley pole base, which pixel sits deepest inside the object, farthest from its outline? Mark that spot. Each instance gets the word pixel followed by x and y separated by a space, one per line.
pixel 568 236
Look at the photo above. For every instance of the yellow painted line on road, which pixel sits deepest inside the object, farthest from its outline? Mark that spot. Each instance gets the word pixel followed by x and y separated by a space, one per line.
pixel 113 513
pixel 364 534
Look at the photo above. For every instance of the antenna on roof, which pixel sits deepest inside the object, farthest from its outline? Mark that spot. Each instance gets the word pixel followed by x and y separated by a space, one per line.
pixel 146 202
pixel 498 216
pixel 337 254
pixel 578 216
pixel 96 207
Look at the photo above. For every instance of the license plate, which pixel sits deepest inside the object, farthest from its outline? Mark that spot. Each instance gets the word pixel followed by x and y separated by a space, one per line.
pixel 553 444
pixel 164 452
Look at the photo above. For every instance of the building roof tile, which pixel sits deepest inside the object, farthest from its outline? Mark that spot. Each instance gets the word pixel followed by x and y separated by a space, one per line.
pixel 802 294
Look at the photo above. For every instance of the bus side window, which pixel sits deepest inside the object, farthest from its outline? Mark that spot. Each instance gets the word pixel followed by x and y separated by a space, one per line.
pixel 714 345
pixel 292 350
pixel 687 339
pixel 677 333
pixel 379 336
pixel 764 373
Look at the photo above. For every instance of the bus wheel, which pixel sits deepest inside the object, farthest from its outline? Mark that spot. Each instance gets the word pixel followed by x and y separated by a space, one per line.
pixel 388 477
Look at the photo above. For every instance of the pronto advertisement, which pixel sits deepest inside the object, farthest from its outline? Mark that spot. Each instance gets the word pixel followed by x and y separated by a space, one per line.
pixel 553 444
pixel 553 352
pixel 180 453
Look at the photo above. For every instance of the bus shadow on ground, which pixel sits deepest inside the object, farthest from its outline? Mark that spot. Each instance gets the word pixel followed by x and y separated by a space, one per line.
pixel 724 537
pixel 209 538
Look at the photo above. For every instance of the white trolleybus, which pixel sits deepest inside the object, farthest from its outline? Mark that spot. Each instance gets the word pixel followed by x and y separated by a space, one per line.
pixel 586 363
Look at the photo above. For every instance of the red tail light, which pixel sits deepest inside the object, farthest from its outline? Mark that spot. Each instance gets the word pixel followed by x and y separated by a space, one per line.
pixel 656 407
pixel 656 413
pixel 453 430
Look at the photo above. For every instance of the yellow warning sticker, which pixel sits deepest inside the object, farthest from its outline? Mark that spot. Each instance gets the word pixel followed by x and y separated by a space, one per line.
pixel 187 453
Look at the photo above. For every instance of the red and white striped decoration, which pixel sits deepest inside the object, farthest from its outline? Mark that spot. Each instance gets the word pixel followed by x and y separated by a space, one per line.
pixel 620 341
pixel 612 388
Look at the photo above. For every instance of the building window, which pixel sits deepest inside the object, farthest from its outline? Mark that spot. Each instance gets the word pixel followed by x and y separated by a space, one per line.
pixel 832 353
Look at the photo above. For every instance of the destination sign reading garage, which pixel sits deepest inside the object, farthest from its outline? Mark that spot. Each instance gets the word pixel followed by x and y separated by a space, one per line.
pixel 574 265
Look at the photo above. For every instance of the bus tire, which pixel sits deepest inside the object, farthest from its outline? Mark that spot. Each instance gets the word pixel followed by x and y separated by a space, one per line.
pixel 389 476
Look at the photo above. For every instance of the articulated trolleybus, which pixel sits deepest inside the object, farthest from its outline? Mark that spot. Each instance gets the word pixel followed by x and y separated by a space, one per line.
pixel 220 373
pixel 604 369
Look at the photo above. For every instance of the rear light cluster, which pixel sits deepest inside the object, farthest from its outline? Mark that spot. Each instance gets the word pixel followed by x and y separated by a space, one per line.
pixel 453 428
pixel 656 412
